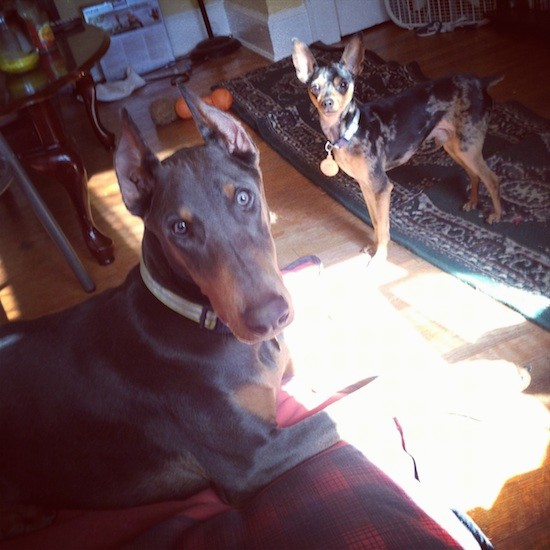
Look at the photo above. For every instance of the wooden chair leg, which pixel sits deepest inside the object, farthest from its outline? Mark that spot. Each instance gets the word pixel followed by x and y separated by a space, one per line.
pixel 65 166
pixel 46 217
pixel 59 159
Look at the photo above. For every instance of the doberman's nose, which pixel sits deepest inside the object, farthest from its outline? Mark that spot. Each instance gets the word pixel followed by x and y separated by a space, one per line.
pixel 327 103
pixel 271 314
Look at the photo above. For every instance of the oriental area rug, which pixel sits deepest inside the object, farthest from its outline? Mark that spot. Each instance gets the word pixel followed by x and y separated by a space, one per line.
pixel 509 260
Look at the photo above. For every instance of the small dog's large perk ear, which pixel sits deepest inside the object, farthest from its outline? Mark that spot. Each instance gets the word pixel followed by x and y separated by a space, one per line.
pixel 216 124
pixel 354 55
pixel 134 165
pixel 303 60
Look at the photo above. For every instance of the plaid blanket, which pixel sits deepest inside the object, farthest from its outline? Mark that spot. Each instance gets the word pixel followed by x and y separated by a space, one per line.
pixel 337 499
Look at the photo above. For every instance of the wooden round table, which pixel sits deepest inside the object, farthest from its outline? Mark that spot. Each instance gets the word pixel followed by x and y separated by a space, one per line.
pixel 37 135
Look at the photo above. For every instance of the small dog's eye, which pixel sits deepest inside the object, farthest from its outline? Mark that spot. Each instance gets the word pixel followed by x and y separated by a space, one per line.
pixel 315 89
pixel 244 198
pixel 343 86
pixel 181 227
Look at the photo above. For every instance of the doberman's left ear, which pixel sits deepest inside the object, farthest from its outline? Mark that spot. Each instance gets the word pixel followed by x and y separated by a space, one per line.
pixel 134 167
pixel 354 55
pixel 216 124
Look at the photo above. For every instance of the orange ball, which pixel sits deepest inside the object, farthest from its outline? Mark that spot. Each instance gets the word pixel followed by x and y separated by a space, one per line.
pixel 207 100
pixel 181 108
pixel 222 99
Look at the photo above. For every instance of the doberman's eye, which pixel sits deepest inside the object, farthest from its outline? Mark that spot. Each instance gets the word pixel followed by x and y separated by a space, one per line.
pixel 181 227
pixel 244 198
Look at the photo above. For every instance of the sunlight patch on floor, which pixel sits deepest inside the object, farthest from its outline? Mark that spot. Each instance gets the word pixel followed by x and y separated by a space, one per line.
pixel 458 311
pixel 344 328
pixel 468 424
pixel 8 303
pixel 471 429
pixel 104 190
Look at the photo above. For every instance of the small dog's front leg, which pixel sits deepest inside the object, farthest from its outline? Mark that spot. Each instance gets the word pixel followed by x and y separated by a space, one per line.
pixel 378 205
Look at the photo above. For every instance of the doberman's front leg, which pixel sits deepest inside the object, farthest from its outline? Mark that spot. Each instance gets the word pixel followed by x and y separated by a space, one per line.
pixel 283 448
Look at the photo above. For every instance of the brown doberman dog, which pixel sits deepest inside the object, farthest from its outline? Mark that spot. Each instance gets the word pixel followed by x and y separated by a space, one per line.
pixel 167 384
pixel 369 139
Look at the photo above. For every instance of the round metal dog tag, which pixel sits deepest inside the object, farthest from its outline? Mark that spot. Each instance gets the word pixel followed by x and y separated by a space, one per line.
pixel 329 167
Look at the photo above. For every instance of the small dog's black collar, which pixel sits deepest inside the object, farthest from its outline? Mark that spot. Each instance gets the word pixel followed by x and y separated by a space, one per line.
pixel 350 131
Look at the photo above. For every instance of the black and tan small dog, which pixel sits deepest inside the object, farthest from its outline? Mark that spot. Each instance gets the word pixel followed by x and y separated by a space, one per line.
pixel 367 140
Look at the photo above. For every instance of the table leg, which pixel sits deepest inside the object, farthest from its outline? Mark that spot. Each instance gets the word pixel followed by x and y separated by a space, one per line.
pixel 58 159
pixel 85 87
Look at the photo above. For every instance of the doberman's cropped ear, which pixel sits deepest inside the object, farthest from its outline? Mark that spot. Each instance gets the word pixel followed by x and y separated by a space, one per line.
pixel 354 55
pixel 218 125
pixel 134 167
pixel 303 60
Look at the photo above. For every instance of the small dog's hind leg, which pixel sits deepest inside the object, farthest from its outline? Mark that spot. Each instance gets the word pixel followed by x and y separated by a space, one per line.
pixel 492 184
pixel 473 162
pixel 474 179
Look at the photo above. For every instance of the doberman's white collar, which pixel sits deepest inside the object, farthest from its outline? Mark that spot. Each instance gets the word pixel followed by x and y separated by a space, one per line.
pixel 199 313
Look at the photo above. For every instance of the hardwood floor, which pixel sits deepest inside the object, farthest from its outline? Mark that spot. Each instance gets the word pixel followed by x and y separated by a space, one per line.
pixel 416 311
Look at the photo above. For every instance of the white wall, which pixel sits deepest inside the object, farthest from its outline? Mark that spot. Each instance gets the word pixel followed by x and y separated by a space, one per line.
pixel 330 20
pixel 355 15
pixel 269 34
pixel 186 29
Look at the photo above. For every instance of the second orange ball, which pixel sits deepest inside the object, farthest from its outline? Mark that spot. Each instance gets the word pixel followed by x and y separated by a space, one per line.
pixel 220 98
